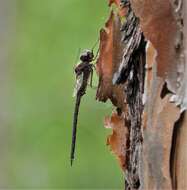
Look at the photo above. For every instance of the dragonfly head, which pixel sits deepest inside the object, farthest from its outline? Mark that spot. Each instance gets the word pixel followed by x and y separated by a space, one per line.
pixel 87 55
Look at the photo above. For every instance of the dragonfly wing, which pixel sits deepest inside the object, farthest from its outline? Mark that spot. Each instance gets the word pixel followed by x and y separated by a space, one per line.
pixel 79 80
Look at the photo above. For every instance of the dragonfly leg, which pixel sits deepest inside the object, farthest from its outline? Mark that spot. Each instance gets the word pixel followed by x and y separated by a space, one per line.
pixel 96 56
pixel 94 66
pixel 91 80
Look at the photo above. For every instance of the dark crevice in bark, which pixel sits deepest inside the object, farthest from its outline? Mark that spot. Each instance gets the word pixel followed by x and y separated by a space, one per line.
pixel 173 153
pixel 165 91
pixel 132 73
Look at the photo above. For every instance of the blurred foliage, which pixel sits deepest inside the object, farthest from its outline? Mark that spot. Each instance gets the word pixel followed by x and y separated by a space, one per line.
pixel 48 36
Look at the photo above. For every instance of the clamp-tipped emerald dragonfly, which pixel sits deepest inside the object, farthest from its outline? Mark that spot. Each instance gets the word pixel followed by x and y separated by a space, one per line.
pixel 83 71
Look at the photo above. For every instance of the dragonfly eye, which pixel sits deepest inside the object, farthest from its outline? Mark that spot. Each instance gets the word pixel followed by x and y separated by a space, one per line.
pixel 83 57
pixel 87 55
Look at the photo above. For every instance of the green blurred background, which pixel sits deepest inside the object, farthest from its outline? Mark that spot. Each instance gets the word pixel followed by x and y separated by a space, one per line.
pixel 46 41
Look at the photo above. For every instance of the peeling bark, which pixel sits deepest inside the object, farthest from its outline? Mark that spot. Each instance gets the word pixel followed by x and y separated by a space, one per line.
pixel 142 70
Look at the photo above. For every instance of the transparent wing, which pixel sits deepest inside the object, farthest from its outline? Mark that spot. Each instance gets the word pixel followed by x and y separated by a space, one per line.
pixel 79 80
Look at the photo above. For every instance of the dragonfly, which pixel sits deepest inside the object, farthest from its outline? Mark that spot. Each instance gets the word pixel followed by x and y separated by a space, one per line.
pixel 83 72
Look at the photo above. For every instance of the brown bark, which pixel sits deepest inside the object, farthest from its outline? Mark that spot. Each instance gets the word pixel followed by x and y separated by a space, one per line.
pixel 142 70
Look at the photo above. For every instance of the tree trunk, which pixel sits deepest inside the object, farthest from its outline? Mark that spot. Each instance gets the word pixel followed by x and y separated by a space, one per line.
pixel 142 70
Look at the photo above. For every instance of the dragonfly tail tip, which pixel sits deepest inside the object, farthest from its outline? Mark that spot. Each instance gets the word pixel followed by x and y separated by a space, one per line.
pixel 71 162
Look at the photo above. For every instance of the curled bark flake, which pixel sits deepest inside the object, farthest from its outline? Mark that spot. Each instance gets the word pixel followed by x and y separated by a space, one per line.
pixel 118 140
pixel 108 61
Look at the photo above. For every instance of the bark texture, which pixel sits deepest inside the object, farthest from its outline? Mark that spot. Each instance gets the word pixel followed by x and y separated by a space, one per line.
pixel 142 70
